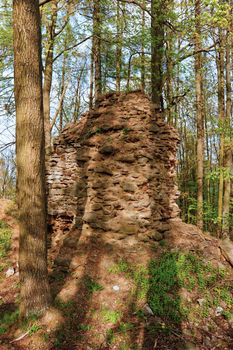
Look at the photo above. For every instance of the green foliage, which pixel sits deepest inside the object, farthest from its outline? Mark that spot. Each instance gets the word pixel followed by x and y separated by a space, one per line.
pixel 174 271
pixel 64 306
pixel 85 327
pixel 121 266
pixel 91 285
pixel 5 239
pixel 125 327
pixel 110 337
pixel 7 319
pixel 215 174
pixel 34 328
pixel 138 274
pixel 110 316
pixel 124 347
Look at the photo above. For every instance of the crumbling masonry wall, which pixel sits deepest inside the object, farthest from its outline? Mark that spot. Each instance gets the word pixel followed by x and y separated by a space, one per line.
pixel 113 173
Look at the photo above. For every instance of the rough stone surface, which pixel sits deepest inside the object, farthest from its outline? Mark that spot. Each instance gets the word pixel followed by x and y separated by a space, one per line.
pixel 114 171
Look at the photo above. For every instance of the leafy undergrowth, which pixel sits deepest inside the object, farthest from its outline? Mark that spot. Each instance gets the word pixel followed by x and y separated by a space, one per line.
pixel 7 319
pixel 181 291
pixel 5 239
pixel 206 288
pixel 174 298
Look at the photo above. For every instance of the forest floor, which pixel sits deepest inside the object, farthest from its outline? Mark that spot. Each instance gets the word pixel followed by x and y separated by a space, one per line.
pixel 176 294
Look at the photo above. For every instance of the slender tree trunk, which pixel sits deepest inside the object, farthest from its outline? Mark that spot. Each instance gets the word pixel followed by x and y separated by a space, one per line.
pixel 157 52
pixel 48 75
pixel 78 96
pixel 129 72
pixel 118 49
pixel 91 94
pixel 200 116
pixel 62 91
pixel 221 112
pixel 31 198
pixel 143 67
pixel 97 48
pixel 170 105
pixel 227 138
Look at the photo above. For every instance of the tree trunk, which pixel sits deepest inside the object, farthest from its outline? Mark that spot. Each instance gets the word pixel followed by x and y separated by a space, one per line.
pixel 227 138
pixel 143 68
pixel 63 76
pixel 31 197
pixel 118 49
pixel 221 113
pixel 91 94
pixel 97 48
pixel 157 52
pixel 48 75
pixel 199 113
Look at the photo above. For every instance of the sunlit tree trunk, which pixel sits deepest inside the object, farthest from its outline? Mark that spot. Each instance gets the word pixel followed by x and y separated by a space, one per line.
pixel 157 51
pixel 63 76
pixel 143 61
pixel 48 75
pixel 227 138
pixel 97 48
pixel 31 198
pixel 199 114
pixel 221 116
pixel 118 49
pixel 91 94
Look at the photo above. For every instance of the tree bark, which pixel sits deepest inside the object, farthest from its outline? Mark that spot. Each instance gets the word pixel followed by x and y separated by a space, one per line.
pixel 221 117
pixel 118 49
pixel 199 115
pixel 143 67
pixel 31 197
pixel 227 138
pixel 91 94
pixel 97 48
pixel 157 52
pixel 48 75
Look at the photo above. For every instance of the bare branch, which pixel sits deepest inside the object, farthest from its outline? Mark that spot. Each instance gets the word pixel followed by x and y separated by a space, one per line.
pixel 71 47
pixel 43 2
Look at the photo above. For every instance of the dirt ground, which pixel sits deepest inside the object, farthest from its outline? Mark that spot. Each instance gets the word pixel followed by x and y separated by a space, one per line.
pixel 97 305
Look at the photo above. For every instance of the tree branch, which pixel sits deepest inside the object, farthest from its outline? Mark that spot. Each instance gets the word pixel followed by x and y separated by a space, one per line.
pixel 71 47
pixel 193 53
pixel 43 2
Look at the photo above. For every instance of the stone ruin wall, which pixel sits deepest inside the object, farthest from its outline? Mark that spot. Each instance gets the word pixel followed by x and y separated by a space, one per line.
pixel 113 173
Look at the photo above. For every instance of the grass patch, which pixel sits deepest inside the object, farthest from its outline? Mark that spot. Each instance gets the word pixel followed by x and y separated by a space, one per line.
pixel 179 270
pixel 84 327
pixel 138 275
pixel 5 239
pixel 91 285
pixel 110 316
pixel 110 336
pixel 160 283
pixel 121 267
pixel 7 319
pixel 64 305
pixel 34 328
pixel 125 327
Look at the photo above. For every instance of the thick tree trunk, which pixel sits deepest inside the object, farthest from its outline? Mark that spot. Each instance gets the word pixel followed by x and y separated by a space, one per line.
pixel 157 51
pixel 31 198
pixel 199 114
